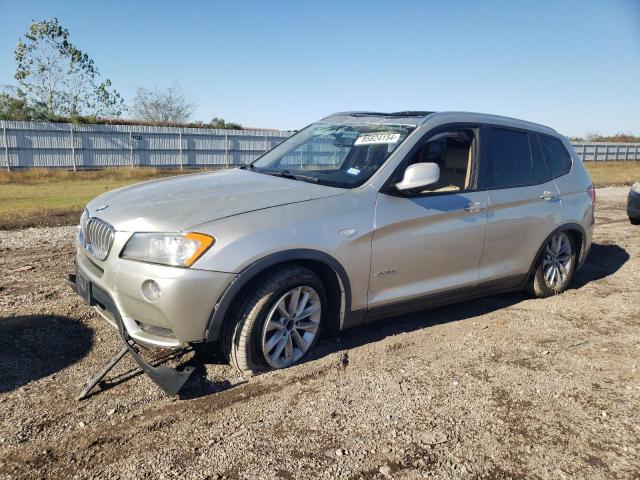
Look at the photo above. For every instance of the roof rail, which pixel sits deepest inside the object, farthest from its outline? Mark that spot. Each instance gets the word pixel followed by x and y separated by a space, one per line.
pixel 407 113
pixel 411 113
pixel 489 116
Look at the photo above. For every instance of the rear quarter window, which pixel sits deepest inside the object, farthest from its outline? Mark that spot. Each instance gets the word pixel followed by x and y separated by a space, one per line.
pixel 556 155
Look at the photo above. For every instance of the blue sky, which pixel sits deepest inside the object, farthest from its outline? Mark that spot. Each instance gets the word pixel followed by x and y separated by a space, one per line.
pixel 574 65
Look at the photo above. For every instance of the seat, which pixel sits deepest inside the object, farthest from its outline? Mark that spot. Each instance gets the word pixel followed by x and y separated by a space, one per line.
pixel 467 180
pixel 454 172
pixel 377 155
pixel 366 156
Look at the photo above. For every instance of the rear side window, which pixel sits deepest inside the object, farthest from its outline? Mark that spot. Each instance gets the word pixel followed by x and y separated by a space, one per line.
pixel 510 158
pixel 556 155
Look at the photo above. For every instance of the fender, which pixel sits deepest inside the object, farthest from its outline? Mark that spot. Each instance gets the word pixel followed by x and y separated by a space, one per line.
pixel 220 310
pixel 561 228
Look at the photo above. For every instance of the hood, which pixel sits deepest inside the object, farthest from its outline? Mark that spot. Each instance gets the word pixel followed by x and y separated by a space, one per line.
pixel 183 202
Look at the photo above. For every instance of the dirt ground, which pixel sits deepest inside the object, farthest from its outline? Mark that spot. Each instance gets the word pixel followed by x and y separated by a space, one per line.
pixel 504 387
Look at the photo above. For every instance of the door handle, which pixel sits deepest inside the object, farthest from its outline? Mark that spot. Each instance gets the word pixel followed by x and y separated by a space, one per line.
pixel 475 206
pixel 546 195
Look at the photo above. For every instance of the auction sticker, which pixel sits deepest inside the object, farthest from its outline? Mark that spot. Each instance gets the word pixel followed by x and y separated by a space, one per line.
pixel 377 138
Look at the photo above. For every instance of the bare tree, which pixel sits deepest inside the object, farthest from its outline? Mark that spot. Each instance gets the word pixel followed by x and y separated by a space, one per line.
pixel 592 136
pixel 52 72
pixel 162 106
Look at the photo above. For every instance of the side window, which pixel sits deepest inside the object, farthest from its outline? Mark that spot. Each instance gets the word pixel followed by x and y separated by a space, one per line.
pixel 510 158
pixel 557 157
pixel 540 171
pixel 453 151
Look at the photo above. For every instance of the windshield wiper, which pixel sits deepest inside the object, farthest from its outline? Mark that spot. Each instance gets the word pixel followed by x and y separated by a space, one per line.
pixel 288 174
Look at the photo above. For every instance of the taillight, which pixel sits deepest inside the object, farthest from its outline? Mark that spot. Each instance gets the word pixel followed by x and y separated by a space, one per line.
pixel 592 194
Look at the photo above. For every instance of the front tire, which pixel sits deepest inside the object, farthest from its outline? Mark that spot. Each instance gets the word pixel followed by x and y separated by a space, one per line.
pixel 279 324
pixel 555 267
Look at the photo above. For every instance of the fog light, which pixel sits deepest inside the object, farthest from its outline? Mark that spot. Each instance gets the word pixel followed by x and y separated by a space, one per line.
pixel 151 290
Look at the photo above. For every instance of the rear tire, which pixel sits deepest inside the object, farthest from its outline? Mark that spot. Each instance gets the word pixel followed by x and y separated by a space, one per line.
pixel 555 267
pixel 279 324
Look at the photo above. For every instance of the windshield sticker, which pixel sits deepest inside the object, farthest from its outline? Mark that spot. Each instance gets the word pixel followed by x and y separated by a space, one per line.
pixel 377 138
pixel 353 171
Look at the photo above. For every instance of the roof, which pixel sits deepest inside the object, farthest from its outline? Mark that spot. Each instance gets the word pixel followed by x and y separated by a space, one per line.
pixel 420 116
pixel 497 119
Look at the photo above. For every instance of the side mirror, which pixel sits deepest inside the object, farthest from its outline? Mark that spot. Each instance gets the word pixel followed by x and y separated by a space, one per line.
pixel 419 175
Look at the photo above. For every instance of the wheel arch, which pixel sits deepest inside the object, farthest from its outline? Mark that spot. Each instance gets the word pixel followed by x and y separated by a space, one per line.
pixel 331 273
pixel 578 235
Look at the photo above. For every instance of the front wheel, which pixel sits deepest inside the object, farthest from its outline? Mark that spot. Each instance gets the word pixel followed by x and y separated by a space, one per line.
pixel 555 267
pixel 279 324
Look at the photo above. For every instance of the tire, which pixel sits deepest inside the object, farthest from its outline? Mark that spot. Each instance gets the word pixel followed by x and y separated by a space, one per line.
pixel 260 322
pixel 634 220
pixel 553 272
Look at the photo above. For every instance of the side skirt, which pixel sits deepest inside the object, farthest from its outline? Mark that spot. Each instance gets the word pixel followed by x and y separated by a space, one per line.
pixel 503 285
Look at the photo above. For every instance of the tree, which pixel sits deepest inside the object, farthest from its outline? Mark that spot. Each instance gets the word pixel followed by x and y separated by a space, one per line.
pixel 14 106
pixel 162 106
pixel 52 72
pixel 620 137
pixel 221 123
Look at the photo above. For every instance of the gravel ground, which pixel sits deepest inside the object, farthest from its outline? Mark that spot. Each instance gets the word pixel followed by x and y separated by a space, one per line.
pixel 504 387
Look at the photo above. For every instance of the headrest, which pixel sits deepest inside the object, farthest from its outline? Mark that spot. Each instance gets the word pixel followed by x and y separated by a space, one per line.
pixel 457 157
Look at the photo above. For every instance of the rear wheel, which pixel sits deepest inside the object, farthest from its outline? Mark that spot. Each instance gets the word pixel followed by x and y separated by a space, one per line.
pixel 555 267
pixel 279 324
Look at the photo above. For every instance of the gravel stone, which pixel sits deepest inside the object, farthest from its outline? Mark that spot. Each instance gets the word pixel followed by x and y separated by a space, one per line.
pixel 383 393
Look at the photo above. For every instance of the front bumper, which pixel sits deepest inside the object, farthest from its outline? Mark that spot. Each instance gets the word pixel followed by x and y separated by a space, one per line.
pixel 178 317
pixel 633 204
pixel 168 379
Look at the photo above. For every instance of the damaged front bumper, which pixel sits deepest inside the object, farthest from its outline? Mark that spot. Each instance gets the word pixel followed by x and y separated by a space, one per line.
pixel 168 379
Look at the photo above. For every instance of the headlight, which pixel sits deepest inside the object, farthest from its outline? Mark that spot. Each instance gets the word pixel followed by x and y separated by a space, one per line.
pixel 636 187
pixel 175 249
pixel 82 227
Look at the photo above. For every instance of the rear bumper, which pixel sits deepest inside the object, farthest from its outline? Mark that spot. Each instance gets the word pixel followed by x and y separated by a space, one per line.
pixel 587 241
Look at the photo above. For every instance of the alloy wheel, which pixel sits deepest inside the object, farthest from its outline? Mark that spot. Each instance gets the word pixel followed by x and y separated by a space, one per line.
pixel 556 261
pixel 291 326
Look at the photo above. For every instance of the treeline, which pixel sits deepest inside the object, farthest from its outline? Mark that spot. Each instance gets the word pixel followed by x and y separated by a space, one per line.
pixel 617 138
pixel 57 82
pixel 18 110
pixel 15 108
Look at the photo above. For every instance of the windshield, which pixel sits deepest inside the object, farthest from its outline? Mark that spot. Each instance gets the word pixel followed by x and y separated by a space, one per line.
pixel 336 154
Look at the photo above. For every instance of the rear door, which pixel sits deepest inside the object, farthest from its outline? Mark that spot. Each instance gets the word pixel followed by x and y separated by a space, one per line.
pixel 524 203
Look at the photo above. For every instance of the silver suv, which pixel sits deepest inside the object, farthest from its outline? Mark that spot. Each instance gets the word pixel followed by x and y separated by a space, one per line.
pixel 359 216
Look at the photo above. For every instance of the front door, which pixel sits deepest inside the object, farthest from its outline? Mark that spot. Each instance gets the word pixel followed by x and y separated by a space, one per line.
pixel 431 242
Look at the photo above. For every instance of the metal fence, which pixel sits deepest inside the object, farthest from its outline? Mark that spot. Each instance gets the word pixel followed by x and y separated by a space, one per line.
pixel 56 145
pixel 607 152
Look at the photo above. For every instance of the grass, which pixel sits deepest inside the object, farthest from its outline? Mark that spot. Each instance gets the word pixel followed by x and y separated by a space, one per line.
pixel 41 197
pixel 606 174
